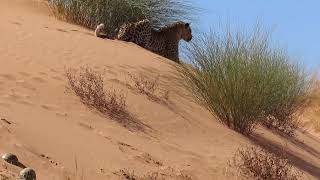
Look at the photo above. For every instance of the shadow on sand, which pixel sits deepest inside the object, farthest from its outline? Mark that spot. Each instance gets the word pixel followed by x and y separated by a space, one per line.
pixel 294 158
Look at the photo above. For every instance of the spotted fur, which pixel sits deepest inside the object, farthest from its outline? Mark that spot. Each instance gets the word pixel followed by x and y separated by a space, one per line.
pixel 138 33
pixel 163 41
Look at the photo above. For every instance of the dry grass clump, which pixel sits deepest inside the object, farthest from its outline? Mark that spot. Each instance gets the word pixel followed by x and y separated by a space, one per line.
pixel 286 126
pixel 113 13
pixel 3 177
pixel 261 164
pixel 313 112
pixel 149 87
pixel 5 173
pixel 242 80
pixel 315 121
pixel 129 175
pixel 89 86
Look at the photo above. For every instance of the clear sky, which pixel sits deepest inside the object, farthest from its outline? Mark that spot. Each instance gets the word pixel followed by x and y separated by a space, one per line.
pixel 295 24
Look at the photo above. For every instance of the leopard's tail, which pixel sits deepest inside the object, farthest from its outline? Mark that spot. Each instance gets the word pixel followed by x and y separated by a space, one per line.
pixel 99 32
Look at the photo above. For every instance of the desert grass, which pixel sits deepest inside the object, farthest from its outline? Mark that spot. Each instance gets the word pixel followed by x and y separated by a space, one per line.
pixel 113 13
pixel 150 87
pixel 316 122
pixel 5 173
pixel 89 86
pixel 260 164
pixel 242 80
pixel 314 106
pixel 130 175
pixel 3 177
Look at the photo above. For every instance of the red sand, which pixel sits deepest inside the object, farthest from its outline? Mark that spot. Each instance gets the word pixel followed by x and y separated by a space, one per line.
pixel 54 133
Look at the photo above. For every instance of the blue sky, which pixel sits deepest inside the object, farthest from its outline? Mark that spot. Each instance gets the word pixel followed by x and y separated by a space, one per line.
pixel 295 24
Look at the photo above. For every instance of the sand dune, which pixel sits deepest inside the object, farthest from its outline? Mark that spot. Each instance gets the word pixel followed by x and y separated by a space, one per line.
pixel 51 131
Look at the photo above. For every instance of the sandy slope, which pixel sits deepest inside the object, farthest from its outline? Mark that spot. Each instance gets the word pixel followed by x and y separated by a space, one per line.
pixel 52 132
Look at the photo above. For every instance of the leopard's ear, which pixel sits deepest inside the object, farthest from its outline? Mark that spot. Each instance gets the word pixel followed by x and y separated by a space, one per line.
pixel 187 25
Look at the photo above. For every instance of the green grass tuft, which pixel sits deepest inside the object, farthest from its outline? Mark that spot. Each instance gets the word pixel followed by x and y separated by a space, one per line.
pixel 241 80
pixel 113 13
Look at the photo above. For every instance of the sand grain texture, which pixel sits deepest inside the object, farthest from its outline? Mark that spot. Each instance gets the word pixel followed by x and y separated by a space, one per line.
pixel 53 132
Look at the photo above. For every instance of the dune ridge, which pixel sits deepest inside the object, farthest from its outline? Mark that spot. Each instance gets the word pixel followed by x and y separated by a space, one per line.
pixel 51 131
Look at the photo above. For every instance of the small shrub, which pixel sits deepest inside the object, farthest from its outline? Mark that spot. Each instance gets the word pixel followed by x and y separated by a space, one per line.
pixel 5 173
pixel 113 13
pixel 314 120
pixel 149 87
pixel 316 124
pixel 89 86
pixel 241 80
pixel 129 175
pixel 260 164
pixel 285 127
pixel 3 177
pixel 313 112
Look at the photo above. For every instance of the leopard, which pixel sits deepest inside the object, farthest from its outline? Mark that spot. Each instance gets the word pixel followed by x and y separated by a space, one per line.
pixel 138 32
pixel 163 41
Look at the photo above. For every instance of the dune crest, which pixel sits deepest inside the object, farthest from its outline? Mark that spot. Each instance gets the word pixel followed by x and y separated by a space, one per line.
pixel 51 131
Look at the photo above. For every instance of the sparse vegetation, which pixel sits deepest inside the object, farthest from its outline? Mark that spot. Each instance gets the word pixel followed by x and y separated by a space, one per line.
pixel 113 13
pixel 130 175
pixel 242 80
pixel 149 87
pixel 89 86
pixel 314 107
pixel 263 165
pixel 285 127
pixel 5 173
pixel 316 122
pixel 3 177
